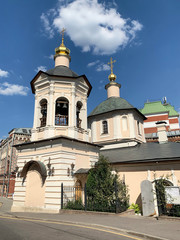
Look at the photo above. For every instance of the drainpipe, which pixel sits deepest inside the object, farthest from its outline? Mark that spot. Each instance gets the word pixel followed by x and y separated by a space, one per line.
pixel 5 165
pixel 9 171
pixel 1 158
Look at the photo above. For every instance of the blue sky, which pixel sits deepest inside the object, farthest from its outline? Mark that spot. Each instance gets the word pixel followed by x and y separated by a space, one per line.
pixel 143 36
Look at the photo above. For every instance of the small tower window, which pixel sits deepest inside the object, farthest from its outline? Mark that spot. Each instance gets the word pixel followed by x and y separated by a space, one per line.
pixel 78 109
pixel 104 127
pixel 43 118
pixel 139 127
pixel 62 109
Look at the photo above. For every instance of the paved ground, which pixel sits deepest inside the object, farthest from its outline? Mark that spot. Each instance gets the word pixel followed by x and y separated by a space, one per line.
pixel 164 228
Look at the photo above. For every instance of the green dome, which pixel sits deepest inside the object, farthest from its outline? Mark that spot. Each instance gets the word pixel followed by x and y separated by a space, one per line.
pixel 111 104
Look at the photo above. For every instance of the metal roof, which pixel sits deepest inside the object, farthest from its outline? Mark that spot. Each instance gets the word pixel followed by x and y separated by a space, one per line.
pixel 25 131
pixel 82 171
pixel 62 71
pixel 144 152
pixel 112 104
pixel 158 107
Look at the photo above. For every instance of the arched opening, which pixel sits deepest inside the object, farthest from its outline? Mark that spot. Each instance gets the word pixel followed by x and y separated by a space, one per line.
pixel 35 174
pixel 104 127
pixel 43 105
pixel 160 185
pixel 78 109
pixel 41 168
pixel 78 190
pixel 61 114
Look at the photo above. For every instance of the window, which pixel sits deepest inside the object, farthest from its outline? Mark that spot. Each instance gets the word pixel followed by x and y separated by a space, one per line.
pixel 139 127
pixel 43 118
pixel 24 130
pixel 104 127
pixel 62 108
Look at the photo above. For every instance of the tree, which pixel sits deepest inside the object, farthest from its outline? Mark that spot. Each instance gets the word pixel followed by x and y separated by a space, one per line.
pixel 104 190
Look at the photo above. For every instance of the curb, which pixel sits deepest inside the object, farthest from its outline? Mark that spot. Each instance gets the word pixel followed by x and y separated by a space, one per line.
pixel 130 232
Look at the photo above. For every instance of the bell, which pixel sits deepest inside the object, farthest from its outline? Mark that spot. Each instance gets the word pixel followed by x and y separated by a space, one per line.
pixel 64 105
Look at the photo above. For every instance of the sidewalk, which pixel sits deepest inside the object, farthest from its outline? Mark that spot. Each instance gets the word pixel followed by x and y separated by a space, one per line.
pixel 163 228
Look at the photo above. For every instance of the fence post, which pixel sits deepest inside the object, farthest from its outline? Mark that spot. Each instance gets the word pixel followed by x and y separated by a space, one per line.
pixel 85 197
pixel 61 195
pixel 116 195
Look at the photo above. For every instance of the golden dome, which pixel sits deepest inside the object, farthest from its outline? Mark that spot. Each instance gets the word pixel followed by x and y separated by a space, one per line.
pixel 62 49
pixel 112 77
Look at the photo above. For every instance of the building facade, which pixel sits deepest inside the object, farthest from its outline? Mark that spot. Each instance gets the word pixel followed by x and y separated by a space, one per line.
pixel 8 159
pixel 158 111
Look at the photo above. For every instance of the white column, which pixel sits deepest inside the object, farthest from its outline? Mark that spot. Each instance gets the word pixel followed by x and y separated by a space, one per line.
pixel 50 115
pixel 84 115
pixel 131 126
pixel 36 113
pixel 93 131
pixel 72 110
pixel 116 127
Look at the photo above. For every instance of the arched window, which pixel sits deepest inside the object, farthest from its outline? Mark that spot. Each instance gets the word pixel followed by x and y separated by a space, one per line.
pixel 62 109
pixel 104 127
pixel 43 104
pixel 124 123
pixel 78 109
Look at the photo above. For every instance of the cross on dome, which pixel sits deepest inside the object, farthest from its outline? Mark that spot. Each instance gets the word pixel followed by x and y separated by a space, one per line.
pixel 112 76
pixel 111 63
pixel 62 33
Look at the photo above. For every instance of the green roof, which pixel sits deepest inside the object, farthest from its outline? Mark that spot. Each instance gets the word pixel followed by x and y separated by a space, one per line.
pixel 111 104
pixel 158 107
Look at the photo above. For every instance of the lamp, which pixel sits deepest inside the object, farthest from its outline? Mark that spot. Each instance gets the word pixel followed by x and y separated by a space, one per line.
pixel 71 171
pixel 50 170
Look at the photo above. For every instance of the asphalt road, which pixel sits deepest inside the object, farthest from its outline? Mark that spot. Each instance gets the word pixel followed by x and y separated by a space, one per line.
pixel 18 229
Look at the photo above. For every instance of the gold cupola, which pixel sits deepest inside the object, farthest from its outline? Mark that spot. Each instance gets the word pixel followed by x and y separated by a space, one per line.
pixel 63 52
pixel 112 76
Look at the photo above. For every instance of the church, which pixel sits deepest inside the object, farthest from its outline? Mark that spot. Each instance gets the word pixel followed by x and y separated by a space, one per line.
pixel 66 143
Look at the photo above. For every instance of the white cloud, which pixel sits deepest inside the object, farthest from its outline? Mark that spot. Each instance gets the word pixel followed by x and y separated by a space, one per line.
pixel 91 25
pixel 41 68
pixel 12 89
pixel 51 56
pixel 99 66
pixel 91 64
pixel 3 73
pixel 46 23
pixel 102 67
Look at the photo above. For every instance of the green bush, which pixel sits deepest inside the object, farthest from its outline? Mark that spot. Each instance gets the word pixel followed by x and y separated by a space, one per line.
pixel 101 185
pixel 135 207
pixel 75 205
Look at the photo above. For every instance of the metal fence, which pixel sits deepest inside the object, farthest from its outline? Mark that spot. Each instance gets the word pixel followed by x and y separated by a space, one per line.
pixel 77 198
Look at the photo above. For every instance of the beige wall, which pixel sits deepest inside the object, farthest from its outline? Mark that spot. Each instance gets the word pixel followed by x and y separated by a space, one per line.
pixel 35 191
pixel 134 174
pixel 116 127
pixel 62 154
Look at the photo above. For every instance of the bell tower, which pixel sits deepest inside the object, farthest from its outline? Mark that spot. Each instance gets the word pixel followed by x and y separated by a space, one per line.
pixel 60 100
